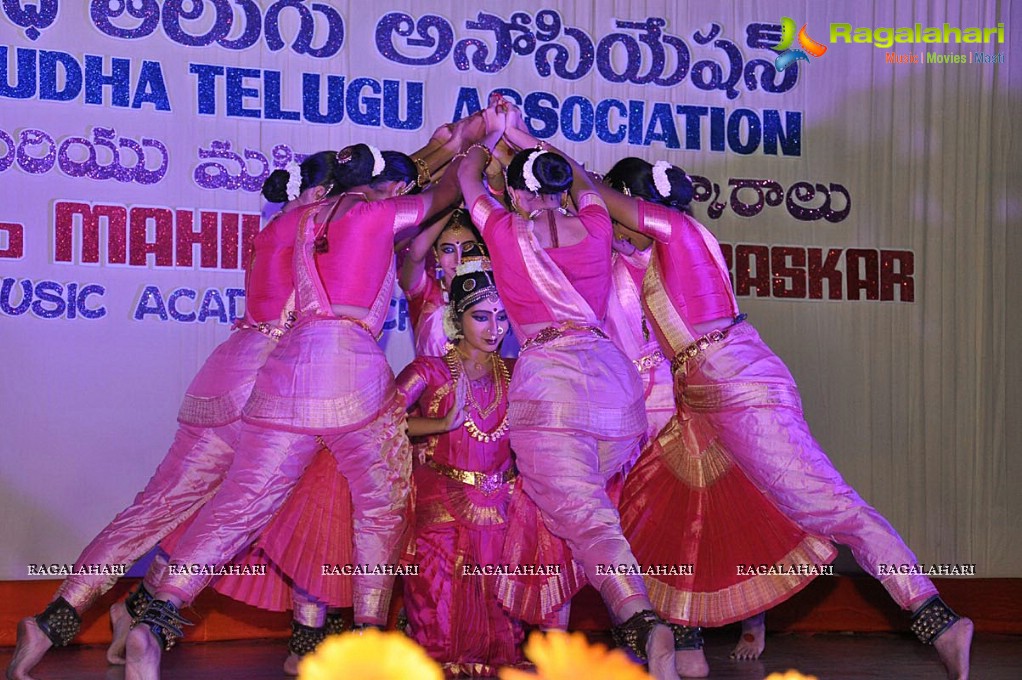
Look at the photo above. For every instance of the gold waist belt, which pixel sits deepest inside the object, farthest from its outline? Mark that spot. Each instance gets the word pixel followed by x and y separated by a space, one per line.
pixel 650 361
pixel 482 481
pixel 553 332
pixel 267 329
pixel 358 322
pixel 703 343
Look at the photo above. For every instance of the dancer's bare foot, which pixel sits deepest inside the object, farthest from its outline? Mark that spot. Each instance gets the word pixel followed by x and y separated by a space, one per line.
pixel 660 653
pixel 291 664
pixel 952 647
pixel 753 640
pixel 31 648
pixel 120 626
pixel 143 655
pixel 691 663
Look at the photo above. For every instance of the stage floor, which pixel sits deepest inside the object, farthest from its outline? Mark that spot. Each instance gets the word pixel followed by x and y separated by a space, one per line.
pixel 829 656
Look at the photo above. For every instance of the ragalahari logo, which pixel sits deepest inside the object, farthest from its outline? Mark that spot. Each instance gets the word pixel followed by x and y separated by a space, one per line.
pixel 789 57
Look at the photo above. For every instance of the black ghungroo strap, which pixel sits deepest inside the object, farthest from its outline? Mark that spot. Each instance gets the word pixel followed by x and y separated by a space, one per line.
pixel 402 621
pixel 137 601
pixel 634 633
pixel 335 624
pixel 59 622
pixel 305 639
pixel 932 619
pixel 164 621
pixel 687 637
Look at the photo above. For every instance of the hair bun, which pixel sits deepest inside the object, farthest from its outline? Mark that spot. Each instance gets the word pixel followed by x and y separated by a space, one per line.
pixel 354 166
pixel 550 171
pixel 553 172
pixel 275 186
pixel 682 189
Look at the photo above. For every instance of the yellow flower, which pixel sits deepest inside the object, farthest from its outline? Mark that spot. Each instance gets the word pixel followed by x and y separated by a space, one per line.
pixel 372 655
pixel 790 675
pixel 563 656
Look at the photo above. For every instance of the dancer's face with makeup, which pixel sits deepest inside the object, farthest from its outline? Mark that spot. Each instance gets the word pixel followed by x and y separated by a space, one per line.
pixel 448 249
pixel 485 324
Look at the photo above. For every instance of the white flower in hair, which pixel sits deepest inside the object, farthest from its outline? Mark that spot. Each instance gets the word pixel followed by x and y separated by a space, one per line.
pixel 531 183
pixel 294 180
pixel 474 265
pixel 450 329
pixel 660 179
pixel 378 163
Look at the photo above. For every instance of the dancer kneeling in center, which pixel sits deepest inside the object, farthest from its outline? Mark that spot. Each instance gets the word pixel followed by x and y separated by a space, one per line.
pixel 463 482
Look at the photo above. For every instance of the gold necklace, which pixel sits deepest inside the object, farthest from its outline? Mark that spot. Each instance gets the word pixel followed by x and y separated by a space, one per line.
pixel 501 382
pixel 498 385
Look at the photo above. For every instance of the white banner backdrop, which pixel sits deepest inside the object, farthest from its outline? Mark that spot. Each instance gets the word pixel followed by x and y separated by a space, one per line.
pixel 862 197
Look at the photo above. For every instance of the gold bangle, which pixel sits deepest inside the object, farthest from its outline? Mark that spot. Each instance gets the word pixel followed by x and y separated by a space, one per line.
pixel 425 176
pixel 480 145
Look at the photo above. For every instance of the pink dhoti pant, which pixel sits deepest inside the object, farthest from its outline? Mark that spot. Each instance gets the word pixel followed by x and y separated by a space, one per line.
pixel 326 384
pixel 187 477
pixel 577 421
pixel 373 458
pixel 189 474
pixel 748 394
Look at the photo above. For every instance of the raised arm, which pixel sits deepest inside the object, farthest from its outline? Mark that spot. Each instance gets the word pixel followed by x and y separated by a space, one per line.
pixel 437 153
pixel 415 259
pixel 437 198
pixel 477 157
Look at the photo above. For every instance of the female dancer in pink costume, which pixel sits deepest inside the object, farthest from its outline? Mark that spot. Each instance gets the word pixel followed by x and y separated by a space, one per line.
pixel 203 447
pixel 709 536
pixel 427 294
pixel 576 412
pixel 313 527
pixel 463 484
pixel 328 382
pixel 747 401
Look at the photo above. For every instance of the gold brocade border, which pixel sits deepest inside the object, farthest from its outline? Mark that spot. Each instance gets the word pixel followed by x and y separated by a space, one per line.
pixel 615 590
pixel 742 600
pixel 468 512
pixel 589 198
pixel 713 398
pixel 317 414
pixel 371 604
pixel 696 471
pixel 481 210
pixel 610 421
pixel 432 411
pixel 656 221
pixel 520 599
pixel 662 309
pixel 218 410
